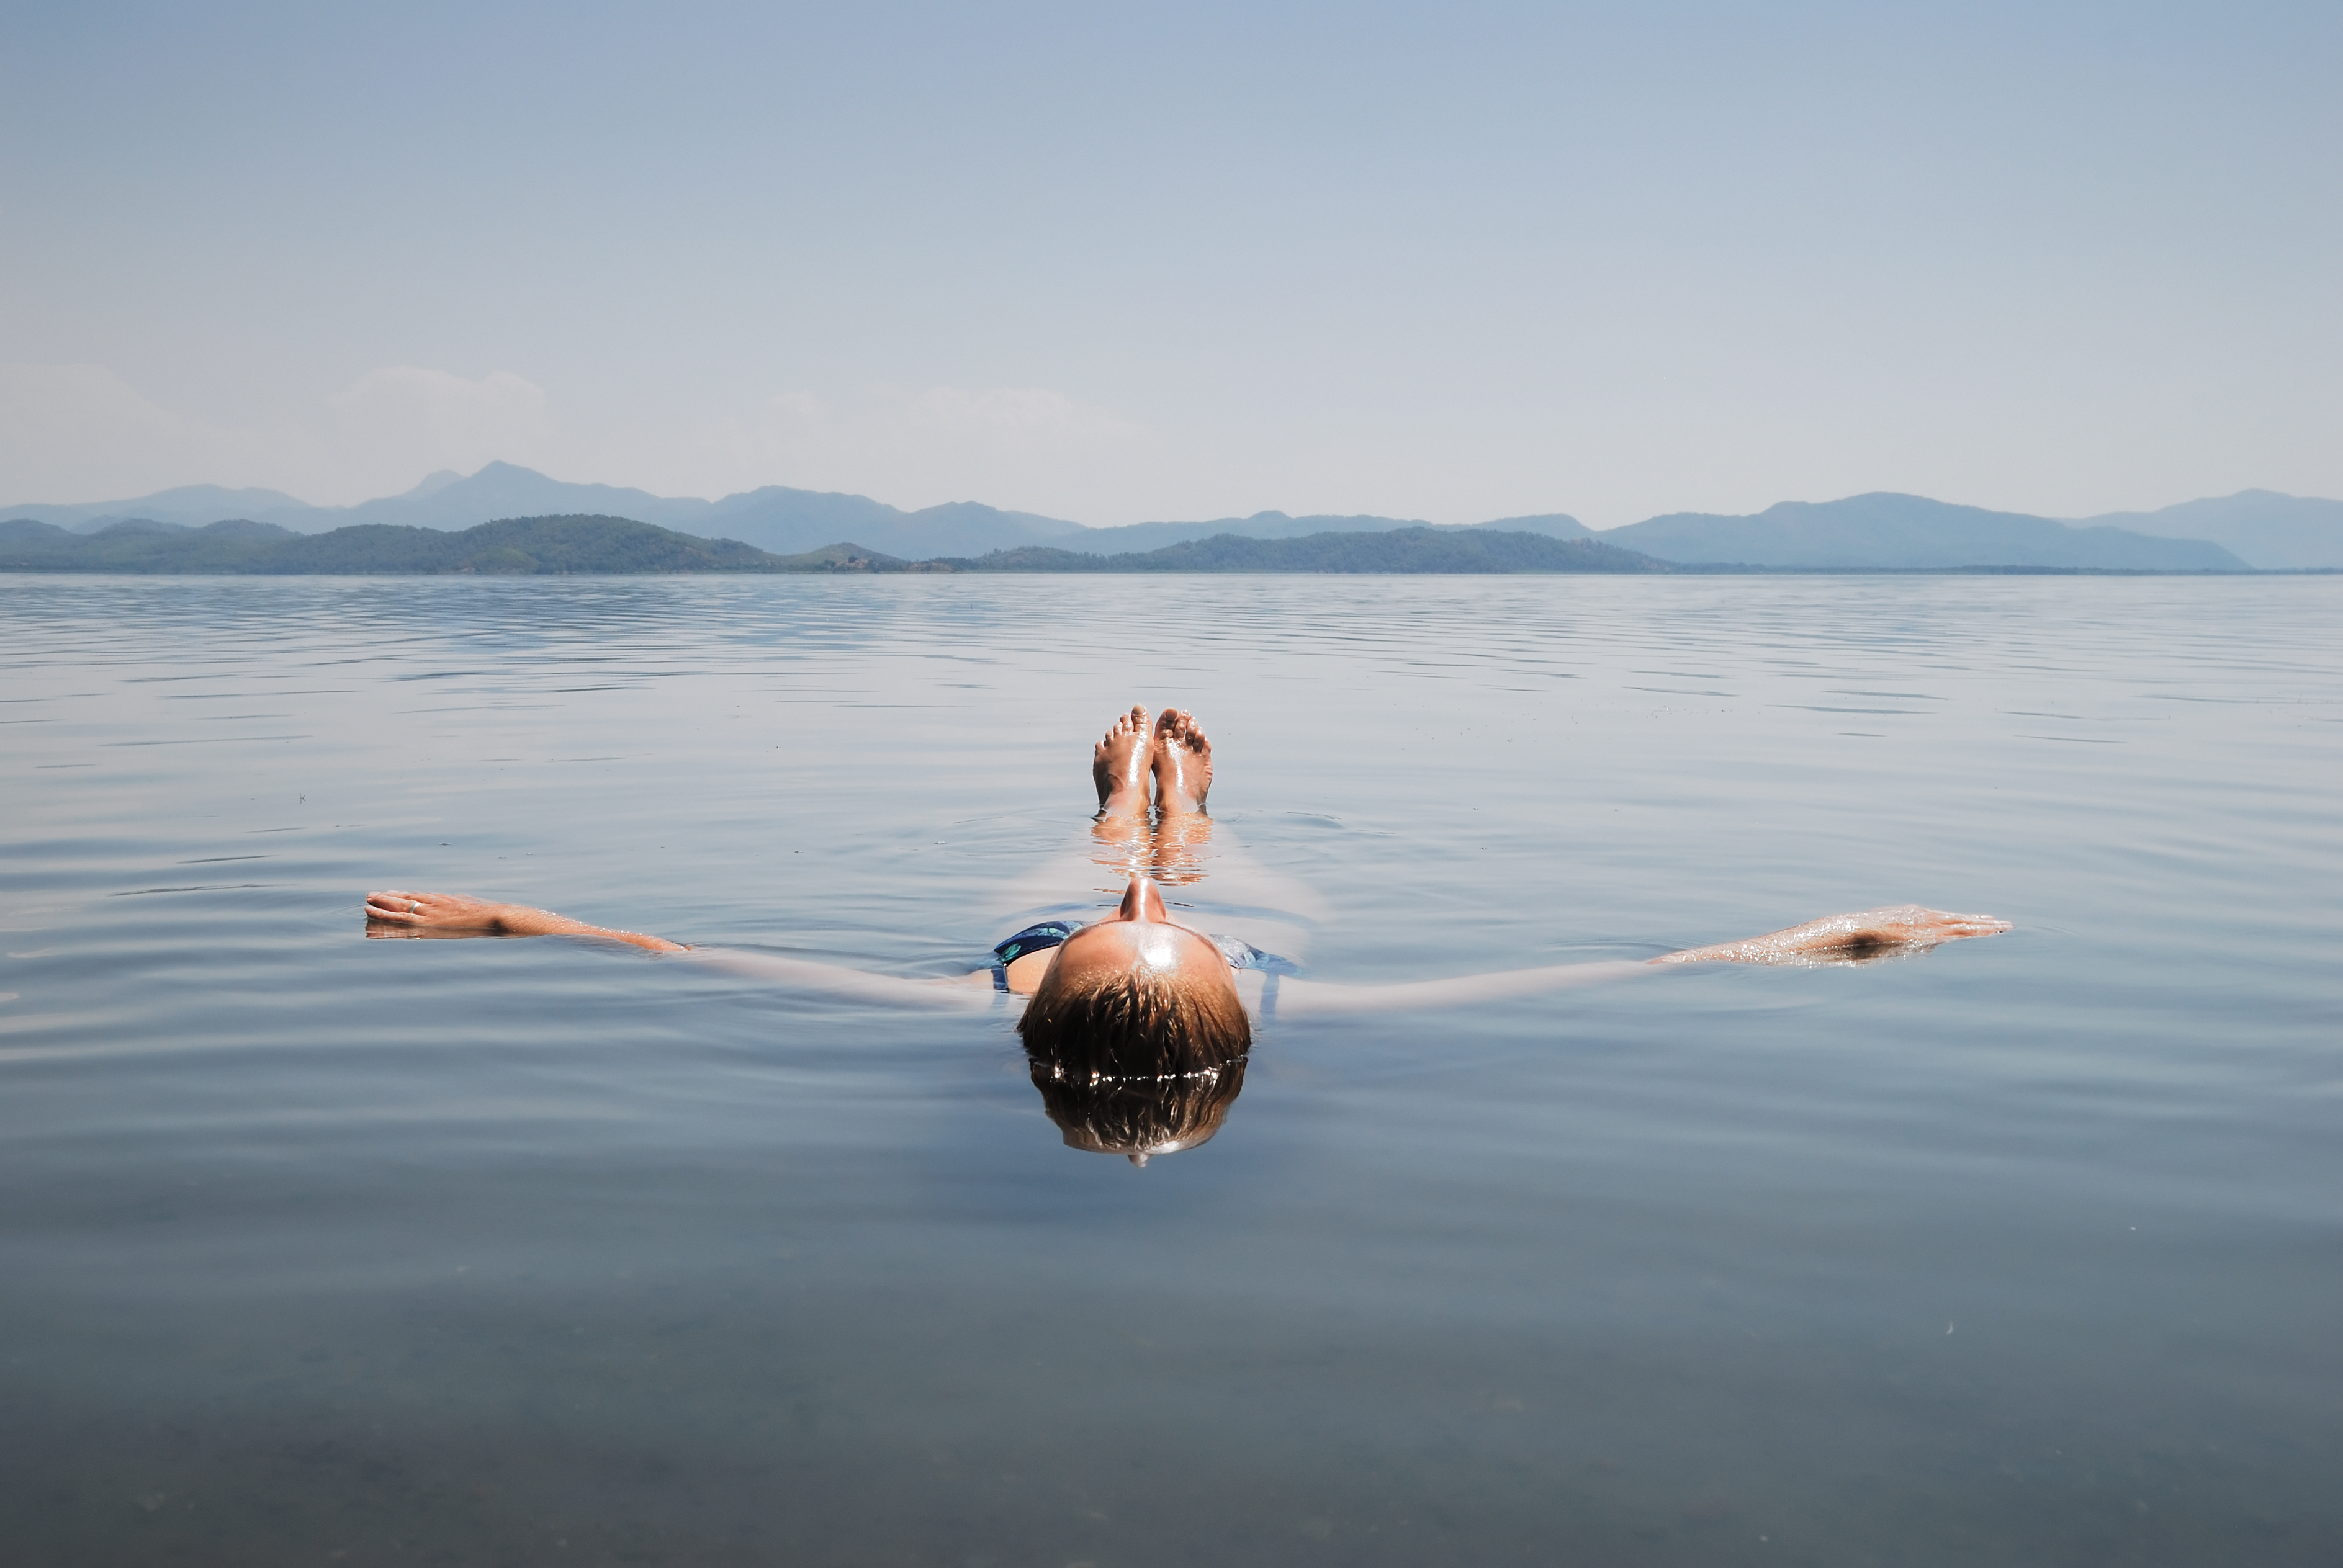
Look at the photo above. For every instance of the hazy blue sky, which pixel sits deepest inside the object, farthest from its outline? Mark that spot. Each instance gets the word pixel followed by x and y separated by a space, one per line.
pixel 1115 263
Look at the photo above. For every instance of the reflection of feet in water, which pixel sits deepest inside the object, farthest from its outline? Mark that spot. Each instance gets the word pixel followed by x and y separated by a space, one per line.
pixel 1182 761
pixel 1125 846
pixel 1182 840
pixel 1119 765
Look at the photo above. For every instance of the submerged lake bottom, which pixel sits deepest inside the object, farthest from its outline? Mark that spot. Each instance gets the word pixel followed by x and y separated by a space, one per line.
pixel 319 1249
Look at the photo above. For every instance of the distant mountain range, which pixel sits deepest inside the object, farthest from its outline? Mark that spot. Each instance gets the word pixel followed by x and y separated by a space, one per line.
pixel 1417 549
pixel 514 546
pixel 2256 528
pixel 2274 532
pixel 540 546
pixel 603 546
pixel 774 520
pixel 1907 532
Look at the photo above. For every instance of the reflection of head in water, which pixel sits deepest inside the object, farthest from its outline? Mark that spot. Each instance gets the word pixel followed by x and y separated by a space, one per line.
pixel 1140 1116
pixel 1135 1036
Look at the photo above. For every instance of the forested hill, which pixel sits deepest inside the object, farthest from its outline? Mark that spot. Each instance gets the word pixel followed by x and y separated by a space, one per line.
pixel 1393 550
pixel 515 547
pixel 541 546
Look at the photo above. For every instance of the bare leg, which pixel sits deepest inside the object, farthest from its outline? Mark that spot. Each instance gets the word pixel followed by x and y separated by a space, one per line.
pixel 1183 840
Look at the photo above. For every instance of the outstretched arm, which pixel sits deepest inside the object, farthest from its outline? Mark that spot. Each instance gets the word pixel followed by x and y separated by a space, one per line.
pixel 407 914
pixel 395 914
pixel 1313 999
pixel 1835 938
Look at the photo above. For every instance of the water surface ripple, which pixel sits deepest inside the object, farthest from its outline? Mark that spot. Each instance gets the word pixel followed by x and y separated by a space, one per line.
pixel 318 1249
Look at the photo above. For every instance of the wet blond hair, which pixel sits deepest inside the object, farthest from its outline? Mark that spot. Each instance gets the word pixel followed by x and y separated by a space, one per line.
pixel 1132 1024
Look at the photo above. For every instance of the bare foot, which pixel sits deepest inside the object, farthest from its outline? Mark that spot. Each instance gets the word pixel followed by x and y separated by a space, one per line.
pixel 1183 763
pixel 1119 765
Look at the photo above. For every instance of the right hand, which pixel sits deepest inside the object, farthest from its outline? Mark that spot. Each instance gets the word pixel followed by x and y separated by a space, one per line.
pixel 433 912
pixel 1892 932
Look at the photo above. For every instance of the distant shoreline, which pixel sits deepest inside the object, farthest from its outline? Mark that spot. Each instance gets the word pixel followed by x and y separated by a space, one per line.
pixel 590 546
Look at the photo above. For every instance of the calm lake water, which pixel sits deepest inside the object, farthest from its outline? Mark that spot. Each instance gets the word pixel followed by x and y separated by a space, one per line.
pixel 317 1249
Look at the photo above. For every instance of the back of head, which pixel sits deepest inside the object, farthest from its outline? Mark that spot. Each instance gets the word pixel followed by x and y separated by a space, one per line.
pixel 1133 1023
pixel 1134 1062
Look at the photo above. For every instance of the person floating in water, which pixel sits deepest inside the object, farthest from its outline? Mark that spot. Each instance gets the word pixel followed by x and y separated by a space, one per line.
pixel 1136 1026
